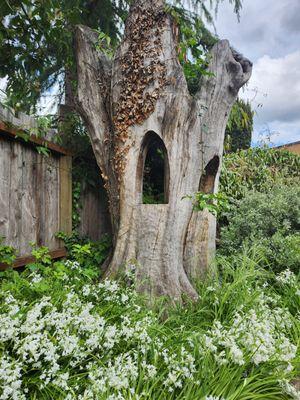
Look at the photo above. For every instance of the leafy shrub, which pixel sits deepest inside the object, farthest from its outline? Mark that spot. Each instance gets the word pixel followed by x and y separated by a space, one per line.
pixel 257 169
pixel 88 253
pixel 271 219
pixel 281 252
pixel 41 255
pixel 215 203
pixel 7 253
pixel 64 335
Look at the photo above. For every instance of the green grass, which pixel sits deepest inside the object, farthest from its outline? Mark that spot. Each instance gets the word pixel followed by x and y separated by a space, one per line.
pixel 107 344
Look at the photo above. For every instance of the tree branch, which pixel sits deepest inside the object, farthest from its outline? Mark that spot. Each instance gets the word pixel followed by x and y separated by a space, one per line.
pixel 228 67
pixel 93 92
pixel 217 93
pixel 93 104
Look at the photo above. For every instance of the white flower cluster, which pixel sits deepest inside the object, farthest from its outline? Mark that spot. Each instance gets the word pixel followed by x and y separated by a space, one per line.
pixel 11 375
pixel 290 390
pixel 52 339
pixel 255 335
pixel 286 277
pixel 36 277
pixel 94 341
pixel 179 368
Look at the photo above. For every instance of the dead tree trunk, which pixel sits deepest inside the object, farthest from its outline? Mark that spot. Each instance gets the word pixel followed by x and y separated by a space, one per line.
pixel 138 106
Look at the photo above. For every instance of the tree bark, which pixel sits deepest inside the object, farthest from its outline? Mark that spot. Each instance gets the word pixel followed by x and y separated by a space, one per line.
pixel 144 90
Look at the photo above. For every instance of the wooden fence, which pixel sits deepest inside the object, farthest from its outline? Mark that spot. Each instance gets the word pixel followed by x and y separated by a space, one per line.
pixel 35 190
pixel 94 212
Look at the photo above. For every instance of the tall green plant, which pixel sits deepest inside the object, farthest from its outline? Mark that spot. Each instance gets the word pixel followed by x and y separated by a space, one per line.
pixel 36 42
pixel 239 127
pixel 257 169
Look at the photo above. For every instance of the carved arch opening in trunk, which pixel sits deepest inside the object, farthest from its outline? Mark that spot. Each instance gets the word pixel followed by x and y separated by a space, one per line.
pixel 208 178
pixel 153 170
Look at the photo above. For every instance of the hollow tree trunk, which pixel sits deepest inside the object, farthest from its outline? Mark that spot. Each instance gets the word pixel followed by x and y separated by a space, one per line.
pixel 142 95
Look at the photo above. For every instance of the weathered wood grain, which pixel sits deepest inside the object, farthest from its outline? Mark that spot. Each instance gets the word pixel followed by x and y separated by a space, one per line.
pixel 30 193
pixel 65 193
pixel 5 186
pixel 51 196
pixel 15 195
pixel 29 216
pixel 94 214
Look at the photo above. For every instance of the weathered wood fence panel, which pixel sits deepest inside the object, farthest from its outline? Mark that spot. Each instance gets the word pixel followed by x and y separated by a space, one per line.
pixel 28 196
pixel 35 192
pixel 94 213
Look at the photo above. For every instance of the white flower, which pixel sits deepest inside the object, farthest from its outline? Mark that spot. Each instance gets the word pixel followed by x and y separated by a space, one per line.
pixel 151 371
pixel 208 342
pixel 210 289
pixel 36 277
pixel 62 381
pixel 286 277
pixel 74 265
pixel 124 298
pixel 214 398
pixel 11 379
pixel 86 290
pixel 289 389
pixel 236 355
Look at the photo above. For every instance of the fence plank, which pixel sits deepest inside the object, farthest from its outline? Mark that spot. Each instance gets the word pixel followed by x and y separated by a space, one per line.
pixel 50 211
pixel 29 217
pixel 5 187
pixel 24 260
pixel 65 179
pixel 94 214
pixel 15 195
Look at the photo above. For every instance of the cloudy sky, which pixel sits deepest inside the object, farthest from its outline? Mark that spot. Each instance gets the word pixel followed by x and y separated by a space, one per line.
pixel 269 35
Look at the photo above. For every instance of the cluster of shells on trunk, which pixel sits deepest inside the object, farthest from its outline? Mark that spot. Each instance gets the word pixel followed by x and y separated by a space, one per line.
pixel 143 77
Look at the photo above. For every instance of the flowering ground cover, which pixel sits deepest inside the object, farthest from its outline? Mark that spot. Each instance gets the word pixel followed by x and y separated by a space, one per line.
pixel 65 334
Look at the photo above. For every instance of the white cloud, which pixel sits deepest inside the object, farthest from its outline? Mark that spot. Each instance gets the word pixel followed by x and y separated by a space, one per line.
pixel 275 85
pixel 266 27
pixel 269 35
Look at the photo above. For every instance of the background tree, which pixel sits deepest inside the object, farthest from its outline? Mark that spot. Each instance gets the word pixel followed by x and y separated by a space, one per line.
pixel 36 41
pixel 239 127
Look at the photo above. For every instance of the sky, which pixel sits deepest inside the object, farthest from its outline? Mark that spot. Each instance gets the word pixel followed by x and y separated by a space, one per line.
pixel 269 35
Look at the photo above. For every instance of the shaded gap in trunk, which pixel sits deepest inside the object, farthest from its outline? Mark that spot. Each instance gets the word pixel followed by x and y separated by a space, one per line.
pixel 207 181
pixel 153 170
